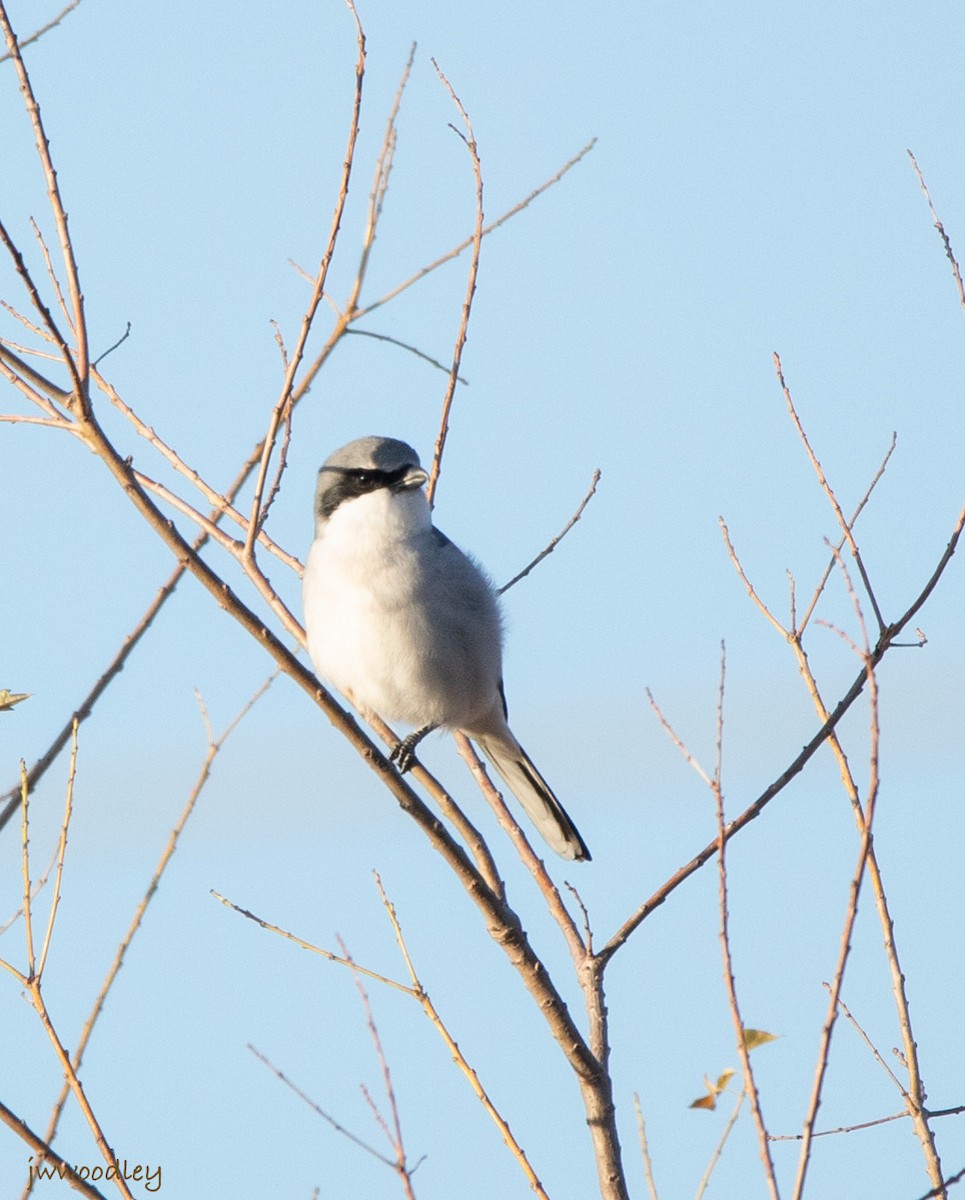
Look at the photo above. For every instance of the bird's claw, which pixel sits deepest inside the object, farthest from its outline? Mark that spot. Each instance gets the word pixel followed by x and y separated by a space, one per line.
pixel 403 755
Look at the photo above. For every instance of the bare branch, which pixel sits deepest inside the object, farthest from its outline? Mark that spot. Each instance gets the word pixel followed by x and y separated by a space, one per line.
pixel 470 241
pixel 78 367
pixel 48 1154
pixel 946 241
pixel 829 492
pixel 283 1078
pixel 384 337
pixel 644 1148
pixel 559 537
pixel 39 33
pixel 463 333
pixel 750 1083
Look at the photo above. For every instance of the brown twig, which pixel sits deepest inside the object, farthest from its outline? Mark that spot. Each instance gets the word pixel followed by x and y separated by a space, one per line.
pixel 470 139
pixel 383 170
pixel 554 542
pixel 470 241
pixel 946 241
pixel 78 366
pixel 829 492
pixel 644 1147
pixel 48 1154
pixel 393 1135
pixel 750 1083
pixel 719 1148
pixel 39 33
pixel 865 825
pixel 384 337
pixel 283 1078
pixel 876 1053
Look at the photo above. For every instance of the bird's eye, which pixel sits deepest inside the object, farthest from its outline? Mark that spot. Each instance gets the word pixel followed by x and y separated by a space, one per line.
pixel 363 478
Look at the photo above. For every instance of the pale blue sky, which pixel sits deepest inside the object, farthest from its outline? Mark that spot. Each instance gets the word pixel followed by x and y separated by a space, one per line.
pixel 750 192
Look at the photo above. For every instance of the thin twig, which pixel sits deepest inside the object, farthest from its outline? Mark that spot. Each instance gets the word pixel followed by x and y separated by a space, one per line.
pixel 865 826
pixel 61 854
pixel 383 170
pixel 829 492
pixel 39 33
pixel 946 241
pixel 25 869
pixel 876 1053
pixel 283 1078
pixel 644 1147
pixel 51 274
pixel 393 1135
pixel 840 544
pixel 750 1083
pixel 940 1189
pixel 463 333
pixel 422 996
pixel 469 241
pixel 551 546
pixel 313 949
pixel 719 1148
pixel 110 349
pixel 78 366
pixel 384 337
pixel 677 740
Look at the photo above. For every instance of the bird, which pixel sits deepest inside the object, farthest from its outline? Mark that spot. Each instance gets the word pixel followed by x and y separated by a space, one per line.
pixel 407 626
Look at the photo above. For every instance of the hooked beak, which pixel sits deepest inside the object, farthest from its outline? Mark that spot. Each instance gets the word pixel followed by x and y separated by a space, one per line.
pixel 414 478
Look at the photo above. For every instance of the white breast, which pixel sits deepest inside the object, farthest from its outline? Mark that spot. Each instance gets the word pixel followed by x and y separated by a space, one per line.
pixel 403 622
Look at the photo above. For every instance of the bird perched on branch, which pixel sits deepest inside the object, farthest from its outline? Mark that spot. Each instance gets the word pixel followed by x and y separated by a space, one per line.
pixel 401 621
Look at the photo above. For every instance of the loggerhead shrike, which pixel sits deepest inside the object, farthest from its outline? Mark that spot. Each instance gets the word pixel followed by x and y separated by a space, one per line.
pixel 407 626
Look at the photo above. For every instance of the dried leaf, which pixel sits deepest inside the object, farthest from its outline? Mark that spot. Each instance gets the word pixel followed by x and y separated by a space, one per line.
pixel 757 1037
pixel 713 1091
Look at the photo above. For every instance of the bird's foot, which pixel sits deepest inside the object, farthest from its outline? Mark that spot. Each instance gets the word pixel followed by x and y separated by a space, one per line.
pixel 404 753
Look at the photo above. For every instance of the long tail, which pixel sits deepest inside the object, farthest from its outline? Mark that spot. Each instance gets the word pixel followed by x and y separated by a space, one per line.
pixel 535 795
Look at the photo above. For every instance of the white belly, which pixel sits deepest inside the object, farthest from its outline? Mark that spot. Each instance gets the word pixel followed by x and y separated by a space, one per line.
pixel 383 630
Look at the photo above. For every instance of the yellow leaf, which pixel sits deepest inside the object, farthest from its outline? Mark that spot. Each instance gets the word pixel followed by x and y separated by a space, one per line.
pixel 757 1037
pixel 708 1102
pixel 9 699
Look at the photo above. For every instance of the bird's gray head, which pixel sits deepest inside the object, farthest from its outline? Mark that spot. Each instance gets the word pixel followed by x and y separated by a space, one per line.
pixel 365 465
